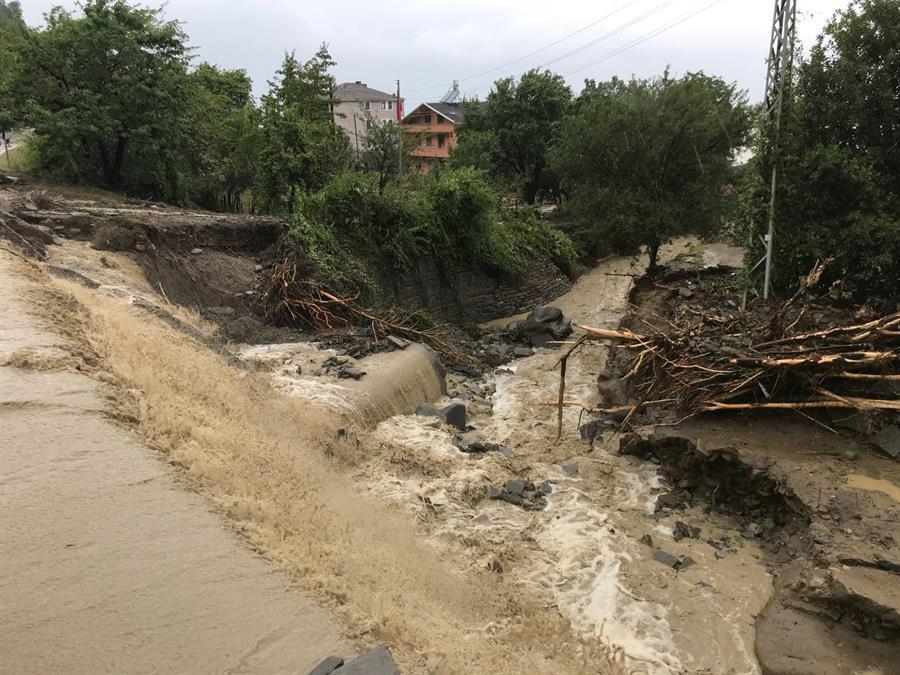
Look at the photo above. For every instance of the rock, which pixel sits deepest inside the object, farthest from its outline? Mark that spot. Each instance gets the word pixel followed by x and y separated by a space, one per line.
pixel 481 406
pixel 428 410
pixel 349 372
pixel 684 563
pixel 849 455
pixel 257 268
pixel 399 343
pixel 684 531
pixel 492 492
pixel 7 180
pixel 591 429
pixel 376 662
pixel 546 314
pixel 327 666
pixel 523 352
pixel 454 415
pixel 888 440
pixel 196 251
pixel 671 500
pixel 569 469
pixel 542 325
pixel 670 560
pixel 546 487
pixel 221 311
pixel 516 487
pixel 685 292
pixel 647 539
pixel 481 447
pixel 665 558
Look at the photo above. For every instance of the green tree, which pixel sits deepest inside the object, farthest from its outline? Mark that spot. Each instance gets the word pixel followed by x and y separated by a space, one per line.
pixel 301 145
pixel 647 160
pixel 105 93
pixel 380 153
pixel 224 126
pixel 510 133
pixel 839 190
pixel 12 30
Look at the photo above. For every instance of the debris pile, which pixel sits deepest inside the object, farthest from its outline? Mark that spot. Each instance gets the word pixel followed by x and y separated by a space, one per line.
pixel 292 296
pixel 785 356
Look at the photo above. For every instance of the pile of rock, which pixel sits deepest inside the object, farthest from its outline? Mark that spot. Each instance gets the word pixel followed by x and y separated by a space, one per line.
pixel 522 493
pixel 340 367
pixel 519 338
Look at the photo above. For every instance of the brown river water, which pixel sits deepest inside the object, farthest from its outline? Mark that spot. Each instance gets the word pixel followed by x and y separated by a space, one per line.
pixel 377 515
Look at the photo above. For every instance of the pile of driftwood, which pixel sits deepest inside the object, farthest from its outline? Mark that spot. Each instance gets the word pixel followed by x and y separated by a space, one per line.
pixel 292 296
pixel 695 360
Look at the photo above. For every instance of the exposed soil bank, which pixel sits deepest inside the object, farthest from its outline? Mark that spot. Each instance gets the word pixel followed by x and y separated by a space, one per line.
pixel 821 505
pixel 106 564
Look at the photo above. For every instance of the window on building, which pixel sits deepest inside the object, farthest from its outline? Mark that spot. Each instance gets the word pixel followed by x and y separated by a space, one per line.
pixel 426 119
pixel 428 140
pixel 441 138
pixel 367 105
pixel 390 105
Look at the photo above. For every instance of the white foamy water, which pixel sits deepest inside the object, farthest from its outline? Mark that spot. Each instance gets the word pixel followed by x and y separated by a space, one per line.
pixel 584 581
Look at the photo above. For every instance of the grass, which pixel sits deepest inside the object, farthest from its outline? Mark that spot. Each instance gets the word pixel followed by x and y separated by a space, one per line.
pixel 16 160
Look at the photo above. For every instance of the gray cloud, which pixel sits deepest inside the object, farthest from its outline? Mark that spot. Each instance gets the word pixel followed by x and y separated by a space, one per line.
pixel 427 44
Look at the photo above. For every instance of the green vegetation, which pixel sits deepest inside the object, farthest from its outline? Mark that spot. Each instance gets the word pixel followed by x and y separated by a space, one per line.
pixel 452 215
pixel 114 101
pixel 511 132
pixel 839 195
pixel 647 160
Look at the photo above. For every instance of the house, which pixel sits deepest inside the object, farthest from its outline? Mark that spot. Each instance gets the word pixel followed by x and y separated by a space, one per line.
pixel 436 123
pixel 358 105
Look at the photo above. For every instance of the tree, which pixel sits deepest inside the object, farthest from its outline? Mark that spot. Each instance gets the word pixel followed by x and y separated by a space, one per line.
pixel 648 160
pixel 839 191
pixel 510 133
pixel 224 137
pixel 381 150
pixel 105 93
pixel 302 147
pixel 12 29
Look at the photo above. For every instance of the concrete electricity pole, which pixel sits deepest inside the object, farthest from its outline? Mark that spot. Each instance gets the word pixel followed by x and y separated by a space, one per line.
pixel 781 52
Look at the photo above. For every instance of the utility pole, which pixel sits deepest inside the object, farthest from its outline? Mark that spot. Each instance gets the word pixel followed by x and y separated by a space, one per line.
pixel 780 61
pixel 399 111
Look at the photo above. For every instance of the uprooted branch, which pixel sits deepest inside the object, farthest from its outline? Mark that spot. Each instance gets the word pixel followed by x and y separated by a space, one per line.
pixel 765 358
pixel 292 296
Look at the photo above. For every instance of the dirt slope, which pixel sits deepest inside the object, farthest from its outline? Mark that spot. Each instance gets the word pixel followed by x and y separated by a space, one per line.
pixel 105 563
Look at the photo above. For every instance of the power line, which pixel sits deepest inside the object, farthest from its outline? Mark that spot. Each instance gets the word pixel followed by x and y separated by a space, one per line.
pixel 650 35
pixel 536 51
pixel 657 31
pixel 612 33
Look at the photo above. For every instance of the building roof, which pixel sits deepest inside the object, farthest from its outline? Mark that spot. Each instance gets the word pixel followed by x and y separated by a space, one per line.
pixel 359 91
pixel 452 111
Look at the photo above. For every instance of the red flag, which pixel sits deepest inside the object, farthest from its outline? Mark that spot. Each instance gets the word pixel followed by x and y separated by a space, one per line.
pixel 399 105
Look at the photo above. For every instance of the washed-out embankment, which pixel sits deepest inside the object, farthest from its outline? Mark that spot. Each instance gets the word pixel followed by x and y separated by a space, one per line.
pixel 281 467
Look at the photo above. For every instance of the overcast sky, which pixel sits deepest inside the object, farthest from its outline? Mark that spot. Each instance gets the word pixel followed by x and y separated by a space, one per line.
pixel 428 43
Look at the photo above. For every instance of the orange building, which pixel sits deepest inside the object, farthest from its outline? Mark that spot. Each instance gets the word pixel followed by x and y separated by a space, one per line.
pixel 436 124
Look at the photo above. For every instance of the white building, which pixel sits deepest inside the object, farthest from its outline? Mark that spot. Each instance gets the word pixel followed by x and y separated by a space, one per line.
pixel 358 106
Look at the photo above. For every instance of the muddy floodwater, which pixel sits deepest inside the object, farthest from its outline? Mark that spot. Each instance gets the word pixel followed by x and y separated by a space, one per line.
pixel 377 515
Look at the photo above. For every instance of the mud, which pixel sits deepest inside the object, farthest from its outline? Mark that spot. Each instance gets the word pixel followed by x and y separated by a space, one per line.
pixel 731 545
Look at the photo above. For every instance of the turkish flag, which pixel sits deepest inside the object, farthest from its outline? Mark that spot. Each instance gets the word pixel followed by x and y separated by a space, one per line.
pixel 399 106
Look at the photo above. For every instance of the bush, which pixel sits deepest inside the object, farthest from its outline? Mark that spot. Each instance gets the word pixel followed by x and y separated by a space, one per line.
pixel 452 214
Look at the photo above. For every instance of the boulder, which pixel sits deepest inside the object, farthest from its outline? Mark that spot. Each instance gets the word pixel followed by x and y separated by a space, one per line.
pixel 327 666
pixel 455 415
pixel 541 326
pixel 888 441
pixel 376 662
